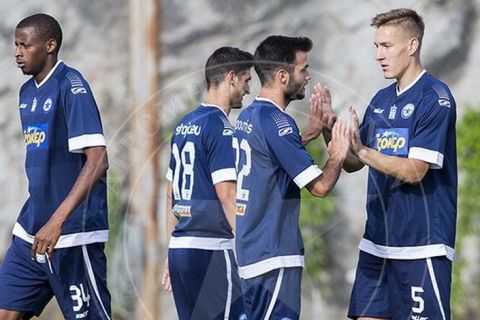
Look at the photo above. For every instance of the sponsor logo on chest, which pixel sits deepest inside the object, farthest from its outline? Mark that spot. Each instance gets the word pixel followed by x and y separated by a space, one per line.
pixel 391 141
pixel 36 136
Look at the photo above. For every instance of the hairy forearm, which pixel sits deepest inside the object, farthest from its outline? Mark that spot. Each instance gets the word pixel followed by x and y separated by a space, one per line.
pixel 404 169
pixel 321 186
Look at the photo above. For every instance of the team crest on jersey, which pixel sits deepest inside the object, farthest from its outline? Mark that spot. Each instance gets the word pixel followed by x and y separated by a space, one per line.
pixel 36 136
pixel 47 105
pixel 407 110
pixel 391 141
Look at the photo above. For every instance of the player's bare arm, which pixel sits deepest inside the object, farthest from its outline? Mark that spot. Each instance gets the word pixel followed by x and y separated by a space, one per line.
pixel 404 169
pixel 171 222
pixel 95 167
pixel 338 149
pixel 226 193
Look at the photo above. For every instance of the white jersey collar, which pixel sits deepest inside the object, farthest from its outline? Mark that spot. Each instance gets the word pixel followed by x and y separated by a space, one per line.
pixel 399 92
pixel 214 106
pixel 48 75
pixel 268 100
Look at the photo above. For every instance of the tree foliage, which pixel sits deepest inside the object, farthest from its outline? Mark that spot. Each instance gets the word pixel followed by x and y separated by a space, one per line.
pixel 468 222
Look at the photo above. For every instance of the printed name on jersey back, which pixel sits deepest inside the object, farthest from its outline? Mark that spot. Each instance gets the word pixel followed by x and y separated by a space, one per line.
pixel 443 97
pixel 244 126
pixel 391 141
pixel 282 123
pixel 187 129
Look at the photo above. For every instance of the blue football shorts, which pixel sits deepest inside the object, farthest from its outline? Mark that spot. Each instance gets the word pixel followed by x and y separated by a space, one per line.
pixel 205 284
pixel 274 295
pixel 76 276
pixel 401 289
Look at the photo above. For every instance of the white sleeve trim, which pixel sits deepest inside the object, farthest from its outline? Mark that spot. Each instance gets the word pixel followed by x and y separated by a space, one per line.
pixel 307 175
pixel 435 158
pixel 76 144
pixel 261 267
pixel 67 240
pixel 221 175
pixel 169 175
pixel 407 252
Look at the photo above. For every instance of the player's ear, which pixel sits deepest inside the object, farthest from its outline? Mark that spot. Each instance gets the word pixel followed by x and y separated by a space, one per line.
pixel 51 45
pixel 413 46
pixel 283 76
pixel 230 78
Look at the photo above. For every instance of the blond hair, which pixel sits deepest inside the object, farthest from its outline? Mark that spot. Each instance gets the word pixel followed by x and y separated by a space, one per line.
pixel 407 19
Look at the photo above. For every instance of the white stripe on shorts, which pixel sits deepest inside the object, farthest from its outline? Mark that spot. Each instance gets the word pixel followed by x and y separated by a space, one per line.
pixel 92 278
pixel 276 291
pixel 229 289
pixel 435 287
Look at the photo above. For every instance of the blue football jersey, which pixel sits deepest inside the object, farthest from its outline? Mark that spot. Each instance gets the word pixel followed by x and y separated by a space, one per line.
pixel 412 221
pixel 272 167
pixel 201 156
pixel 59 118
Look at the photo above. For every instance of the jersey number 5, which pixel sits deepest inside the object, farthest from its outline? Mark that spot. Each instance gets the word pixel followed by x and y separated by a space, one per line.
pixel 184 159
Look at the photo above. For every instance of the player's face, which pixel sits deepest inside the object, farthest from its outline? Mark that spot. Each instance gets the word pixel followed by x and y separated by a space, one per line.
pixel 31 51
pixel 298 78
pixel 392 44
pixel 241 87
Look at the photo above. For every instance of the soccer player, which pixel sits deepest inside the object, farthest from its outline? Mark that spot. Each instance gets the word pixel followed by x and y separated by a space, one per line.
pixel 58 240
pixel 272 167
pixel 407 139
pixel 201 267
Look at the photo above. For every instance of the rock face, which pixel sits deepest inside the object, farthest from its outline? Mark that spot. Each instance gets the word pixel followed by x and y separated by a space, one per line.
pixel 96 42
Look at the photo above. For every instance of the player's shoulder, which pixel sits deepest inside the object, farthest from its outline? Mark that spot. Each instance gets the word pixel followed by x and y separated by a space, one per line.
pixel 433 87
pixel 386 92
pixel 30 83
pixel 72 79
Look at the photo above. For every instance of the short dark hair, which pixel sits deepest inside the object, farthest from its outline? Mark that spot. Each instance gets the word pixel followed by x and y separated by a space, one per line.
pixel 223 60
pixel 46 26
pixel 278 52
pixel 408 19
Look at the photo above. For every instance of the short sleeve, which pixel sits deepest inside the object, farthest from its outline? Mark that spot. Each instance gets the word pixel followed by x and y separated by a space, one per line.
pixel 82 116
pixel 436 116
pixel 220 152
pixel 283 138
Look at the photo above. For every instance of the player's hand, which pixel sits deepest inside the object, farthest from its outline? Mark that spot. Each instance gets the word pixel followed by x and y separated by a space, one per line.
pixel 315 124
pixel 166 283
pixel 355 141
pixel 339 145
pixel 47 237
pixel 328 116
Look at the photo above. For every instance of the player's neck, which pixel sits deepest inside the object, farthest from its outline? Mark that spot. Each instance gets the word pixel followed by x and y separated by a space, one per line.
pixel 275 95
pixel 409 76
pixel 45 70
pixel 220 100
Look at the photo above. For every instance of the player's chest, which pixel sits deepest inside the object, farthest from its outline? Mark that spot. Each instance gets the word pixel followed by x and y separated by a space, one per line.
pixel 391 125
